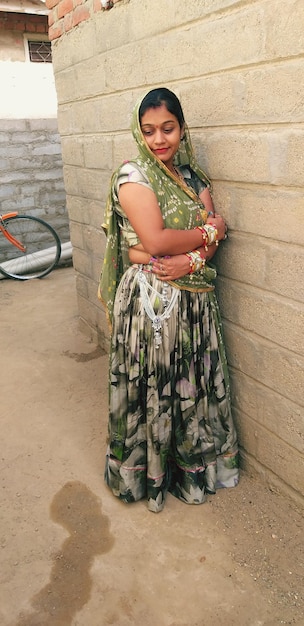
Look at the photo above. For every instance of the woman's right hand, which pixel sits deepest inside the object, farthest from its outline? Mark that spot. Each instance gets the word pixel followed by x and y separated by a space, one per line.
pixel 219 224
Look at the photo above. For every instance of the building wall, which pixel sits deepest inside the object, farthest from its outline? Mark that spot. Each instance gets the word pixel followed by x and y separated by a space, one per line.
pixel 31 171
pixel 31 177
pixel 238 69
pixel 12 28
pixel 27 89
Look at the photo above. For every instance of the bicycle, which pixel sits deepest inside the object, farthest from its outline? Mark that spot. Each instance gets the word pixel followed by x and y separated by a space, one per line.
pixel 30 247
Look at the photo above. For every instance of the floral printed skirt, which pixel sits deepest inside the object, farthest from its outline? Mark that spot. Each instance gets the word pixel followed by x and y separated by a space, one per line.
pixel 170 423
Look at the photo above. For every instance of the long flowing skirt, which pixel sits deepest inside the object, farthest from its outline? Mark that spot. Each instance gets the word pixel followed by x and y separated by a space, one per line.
pixel 170 422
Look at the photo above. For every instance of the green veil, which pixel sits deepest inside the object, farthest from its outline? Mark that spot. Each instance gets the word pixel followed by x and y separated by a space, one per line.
pixel 181 209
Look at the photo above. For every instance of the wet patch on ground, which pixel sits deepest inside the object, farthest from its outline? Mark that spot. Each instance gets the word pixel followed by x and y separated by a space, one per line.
pixel 78 510
pixel 85 357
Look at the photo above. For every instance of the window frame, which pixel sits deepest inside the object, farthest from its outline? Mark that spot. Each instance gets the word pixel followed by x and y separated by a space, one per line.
pixel 27 38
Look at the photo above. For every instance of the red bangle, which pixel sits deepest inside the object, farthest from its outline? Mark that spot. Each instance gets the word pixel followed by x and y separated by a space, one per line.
pixel 203 233
pixel 190 262
pixel 204 236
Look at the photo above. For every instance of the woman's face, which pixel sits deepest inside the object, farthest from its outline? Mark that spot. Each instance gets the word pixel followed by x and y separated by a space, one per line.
pixel 162 133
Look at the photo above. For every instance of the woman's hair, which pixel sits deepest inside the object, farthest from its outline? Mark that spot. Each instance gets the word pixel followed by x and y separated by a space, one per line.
pixel 161 95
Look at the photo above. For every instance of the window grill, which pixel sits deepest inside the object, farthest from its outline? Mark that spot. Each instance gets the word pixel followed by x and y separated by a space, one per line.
pixel 40 51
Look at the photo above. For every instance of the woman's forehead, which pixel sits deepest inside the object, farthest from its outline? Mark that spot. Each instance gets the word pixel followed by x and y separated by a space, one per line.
pixel 158 115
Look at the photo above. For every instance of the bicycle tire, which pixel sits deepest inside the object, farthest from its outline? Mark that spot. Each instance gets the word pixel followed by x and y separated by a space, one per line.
pixel 43 248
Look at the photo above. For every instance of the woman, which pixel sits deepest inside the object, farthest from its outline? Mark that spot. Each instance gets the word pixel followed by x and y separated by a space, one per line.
pixel 170 424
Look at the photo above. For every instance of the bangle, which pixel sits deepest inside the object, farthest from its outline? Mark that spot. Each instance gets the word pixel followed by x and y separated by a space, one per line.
pixel 204 258
pixel 209 235
pixel 204 234
pixel 212 234
pixel 216 237
pixel 190 262
pixel 197 263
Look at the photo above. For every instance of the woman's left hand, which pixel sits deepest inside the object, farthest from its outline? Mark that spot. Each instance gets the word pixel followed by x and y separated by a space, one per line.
pixel 219 224
pixel 172 267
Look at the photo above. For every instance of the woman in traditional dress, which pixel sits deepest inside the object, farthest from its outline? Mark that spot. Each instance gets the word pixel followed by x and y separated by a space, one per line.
pixel 170 422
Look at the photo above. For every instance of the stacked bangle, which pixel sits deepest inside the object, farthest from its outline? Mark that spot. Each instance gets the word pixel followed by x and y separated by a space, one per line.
pixel 209 235
pixel 196 261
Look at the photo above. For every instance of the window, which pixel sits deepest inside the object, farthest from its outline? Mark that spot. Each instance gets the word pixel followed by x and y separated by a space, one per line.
pixel 40 51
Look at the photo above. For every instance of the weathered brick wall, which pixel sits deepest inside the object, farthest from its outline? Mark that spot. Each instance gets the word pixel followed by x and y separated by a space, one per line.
pixel 23 22
pixel 238 68
pixel 12 28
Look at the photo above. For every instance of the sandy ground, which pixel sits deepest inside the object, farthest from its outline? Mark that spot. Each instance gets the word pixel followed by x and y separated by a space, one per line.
pixel 71 553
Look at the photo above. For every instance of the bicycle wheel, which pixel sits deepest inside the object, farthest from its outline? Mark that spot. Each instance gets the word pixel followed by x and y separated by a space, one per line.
pixel 41 243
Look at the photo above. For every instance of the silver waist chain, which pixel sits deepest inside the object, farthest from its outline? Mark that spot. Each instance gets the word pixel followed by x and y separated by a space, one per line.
pixel 157 320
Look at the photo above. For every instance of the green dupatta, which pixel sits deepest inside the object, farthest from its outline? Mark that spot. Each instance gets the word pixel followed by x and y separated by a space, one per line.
pixel 181 209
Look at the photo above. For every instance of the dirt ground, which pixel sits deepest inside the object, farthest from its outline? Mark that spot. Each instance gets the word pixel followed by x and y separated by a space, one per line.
pixel 71 553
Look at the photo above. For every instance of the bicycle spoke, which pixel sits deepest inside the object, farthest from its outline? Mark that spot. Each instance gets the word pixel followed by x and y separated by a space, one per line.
pixel 41 247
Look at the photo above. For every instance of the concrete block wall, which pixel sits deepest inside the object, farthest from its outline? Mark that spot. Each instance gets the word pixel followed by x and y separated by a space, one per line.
pixel 238 69
pixel 31 174
pixel 31 171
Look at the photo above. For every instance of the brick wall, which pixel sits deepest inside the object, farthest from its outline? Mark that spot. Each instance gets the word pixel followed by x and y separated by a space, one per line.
pixel 66 14
pixel 238 69
pixel 23 22
pixel 13 26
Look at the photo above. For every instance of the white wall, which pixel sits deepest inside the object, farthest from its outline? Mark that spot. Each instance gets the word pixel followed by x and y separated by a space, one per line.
pixel 27 90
